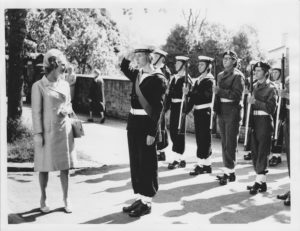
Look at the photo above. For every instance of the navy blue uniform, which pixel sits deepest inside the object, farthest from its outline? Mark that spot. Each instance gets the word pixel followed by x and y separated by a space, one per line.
pixel 143 158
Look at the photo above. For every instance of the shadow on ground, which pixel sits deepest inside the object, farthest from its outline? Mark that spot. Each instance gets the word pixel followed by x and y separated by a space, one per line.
pixel 29 216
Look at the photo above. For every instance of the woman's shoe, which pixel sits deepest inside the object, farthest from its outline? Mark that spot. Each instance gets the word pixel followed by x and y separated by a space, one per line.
pixel 67 207
pixel 45 209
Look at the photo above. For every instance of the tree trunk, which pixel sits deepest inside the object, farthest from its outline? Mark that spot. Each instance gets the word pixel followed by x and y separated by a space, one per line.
pixel 17 33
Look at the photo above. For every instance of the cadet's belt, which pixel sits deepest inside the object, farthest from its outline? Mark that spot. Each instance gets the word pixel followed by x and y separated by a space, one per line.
pixel 287 106
pixel 224 100
pixel 173 100
pixel 138 111
pixel 259 113
pixel 201 106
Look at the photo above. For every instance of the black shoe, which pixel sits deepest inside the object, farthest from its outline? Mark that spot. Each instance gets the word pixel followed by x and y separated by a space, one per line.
pixel 140 210
pixel 287 201
pixel 90 120
pixel 248 156
pixel 182 164
pixel 176 164
pixel 161 156
pixel 131 207
pixel 283 196
pixel 257 187
pixel 201 170
pixel 225 178
pixel 274 161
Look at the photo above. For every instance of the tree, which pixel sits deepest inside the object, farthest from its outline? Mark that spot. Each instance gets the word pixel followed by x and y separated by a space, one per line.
pixel 15 38
pixel 87 36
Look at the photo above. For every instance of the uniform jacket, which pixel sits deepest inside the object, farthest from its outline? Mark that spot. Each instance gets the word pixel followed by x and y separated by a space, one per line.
pixel 175 89
pixel 48 99
pixel 201 92
pixel 153 89
pixel 265 96
pixel 231 86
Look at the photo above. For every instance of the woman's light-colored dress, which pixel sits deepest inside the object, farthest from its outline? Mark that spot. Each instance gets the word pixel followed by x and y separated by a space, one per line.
pixel 48 100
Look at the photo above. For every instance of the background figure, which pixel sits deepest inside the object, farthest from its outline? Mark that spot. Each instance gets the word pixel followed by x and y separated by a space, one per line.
pixel 70 77
pixel 175 97
pixel 263 102
pixel 286 117
pixel 149 86
pixel 159 62
pixel 96 98
pixel 228 106
pixel 53 136
pixel 276 148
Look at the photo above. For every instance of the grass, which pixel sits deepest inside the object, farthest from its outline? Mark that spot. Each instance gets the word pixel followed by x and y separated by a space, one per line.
pixel 19 143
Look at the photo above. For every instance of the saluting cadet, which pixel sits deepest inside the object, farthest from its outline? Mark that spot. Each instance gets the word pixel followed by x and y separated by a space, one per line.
pixel 159 61
pixel 147 95
pixel 200 99
pixel 276 148
pixel 175 96
pixel 263 102
pixel 285 93
pixel 228 106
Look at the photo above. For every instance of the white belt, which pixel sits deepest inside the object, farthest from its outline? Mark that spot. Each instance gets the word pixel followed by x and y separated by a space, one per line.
pixel 287 106
pixel 138 111
pixel 224 100
pixel 176 100
pixel 259 113
pixel 201 106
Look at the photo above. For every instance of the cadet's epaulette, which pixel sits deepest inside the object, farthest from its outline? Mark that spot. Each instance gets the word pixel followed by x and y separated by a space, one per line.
pixel 238 72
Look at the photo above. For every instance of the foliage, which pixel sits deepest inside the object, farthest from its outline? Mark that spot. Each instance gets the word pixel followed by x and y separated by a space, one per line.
pixel 87 36
pixel 212 40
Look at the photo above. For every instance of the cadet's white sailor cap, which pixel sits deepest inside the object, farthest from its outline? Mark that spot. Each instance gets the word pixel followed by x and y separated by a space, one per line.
pixel 203 58
pixel 182 58
pixel 160 52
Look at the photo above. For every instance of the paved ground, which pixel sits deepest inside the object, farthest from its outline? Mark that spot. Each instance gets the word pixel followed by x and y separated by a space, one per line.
pixel 99 192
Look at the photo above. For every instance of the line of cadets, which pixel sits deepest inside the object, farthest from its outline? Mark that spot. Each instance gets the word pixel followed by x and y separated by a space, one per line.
pixel 166 93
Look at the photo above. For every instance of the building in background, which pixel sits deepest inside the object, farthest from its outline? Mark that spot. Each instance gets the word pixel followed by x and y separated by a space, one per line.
pixel 275 54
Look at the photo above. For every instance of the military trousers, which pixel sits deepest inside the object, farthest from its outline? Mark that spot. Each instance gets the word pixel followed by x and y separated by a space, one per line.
pixel 229 123
pixel 178 140
pixel 261 138
pixel 287 138
pixel 203 132
pixel 143 163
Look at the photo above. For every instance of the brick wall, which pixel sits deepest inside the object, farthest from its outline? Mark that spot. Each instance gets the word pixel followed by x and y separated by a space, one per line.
pixel 117 96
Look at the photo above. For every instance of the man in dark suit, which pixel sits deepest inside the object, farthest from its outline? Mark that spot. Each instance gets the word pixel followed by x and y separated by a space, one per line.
pixel 96 97
pixel 149 86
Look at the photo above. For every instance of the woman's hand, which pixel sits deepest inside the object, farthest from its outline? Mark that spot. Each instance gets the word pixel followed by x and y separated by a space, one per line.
pixel 150 140
pixel 38 139
pixel 63 111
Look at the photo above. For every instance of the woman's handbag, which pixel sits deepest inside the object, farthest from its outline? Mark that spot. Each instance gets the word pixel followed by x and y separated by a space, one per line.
pixel 76 126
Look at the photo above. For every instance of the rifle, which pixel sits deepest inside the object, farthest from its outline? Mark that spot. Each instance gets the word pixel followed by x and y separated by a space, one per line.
pixel 280 100
pixel 248 109
pixel 213 96
pixel 183 106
